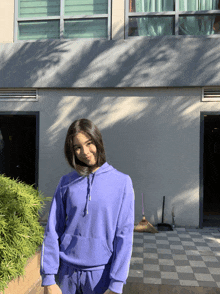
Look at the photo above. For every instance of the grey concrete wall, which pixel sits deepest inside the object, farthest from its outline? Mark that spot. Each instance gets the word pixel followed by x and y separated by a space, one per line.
pixel 151 134
pixel 147 62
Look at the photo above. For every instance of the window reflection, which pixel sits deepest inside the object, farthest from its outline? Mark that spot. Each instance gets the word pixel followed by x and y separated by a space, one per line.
pixel 151 6
pixel 197 25
pixel 132 6
pixel 196 5
pixel 133 27
pixel 216 25
pixel 150 25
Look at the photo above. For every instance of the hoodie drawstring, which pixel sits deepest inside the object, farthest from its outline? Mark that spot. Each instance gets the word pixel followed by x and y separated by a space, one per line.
pixel 88 198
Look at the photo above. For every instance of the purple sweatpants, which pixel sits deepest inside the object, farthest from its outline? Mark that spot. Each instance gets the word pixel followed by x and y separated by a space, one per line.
pixel 73 281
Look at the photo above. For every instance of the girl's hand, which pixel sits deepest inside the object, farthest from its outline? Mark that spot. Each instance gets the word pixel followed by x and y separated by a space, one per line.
pixel 52 289
pixel 109 292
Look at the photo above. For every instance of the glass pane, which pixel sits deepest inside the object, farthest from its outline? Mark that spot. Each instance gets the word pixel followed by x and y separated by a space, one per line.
pixel 36 8
pixel 34 30
pixel 151 26
pixel 151 6
pixel 199 25
pixel 195 5
pixel 86 28
pixel 86 7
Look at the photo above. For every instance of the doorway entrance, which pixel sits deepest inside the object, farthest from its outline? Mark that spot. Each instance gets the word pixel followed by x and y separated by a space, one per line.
pixel 19 147
pixel 211 170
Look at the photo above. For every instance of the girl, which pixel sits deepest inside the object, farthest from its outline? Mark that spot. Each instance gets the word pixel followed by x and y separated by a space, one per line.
pixel 88 239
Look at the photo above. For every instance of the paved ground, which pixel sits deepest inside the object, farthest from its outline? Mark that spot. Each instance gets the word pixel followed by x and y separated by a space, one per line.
pixel 137 288
pixel 179 261
pixel 185 261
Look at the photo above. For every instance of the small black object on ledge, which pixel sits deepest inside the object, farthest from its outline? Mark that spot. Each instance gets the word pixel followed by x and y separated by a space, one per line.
pixel 163 226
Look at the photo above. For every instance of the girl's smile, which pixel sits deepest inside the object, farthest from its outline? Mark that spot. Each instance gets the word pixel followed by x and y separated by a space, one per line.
pixel 85 149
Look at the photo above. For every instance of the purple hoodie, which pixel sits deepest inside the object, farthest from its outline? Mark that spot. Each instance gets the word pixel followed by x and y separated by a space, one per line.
pixel 91 221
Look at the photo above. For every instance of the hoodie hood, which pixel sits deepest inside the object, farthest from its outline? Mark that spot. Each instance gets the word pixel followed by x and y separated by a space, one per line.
pixel 74 177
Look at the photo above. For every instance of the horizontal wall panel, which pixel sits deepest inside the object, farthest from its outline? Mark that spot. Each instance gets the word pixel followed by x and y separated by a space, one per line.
pixel 168 61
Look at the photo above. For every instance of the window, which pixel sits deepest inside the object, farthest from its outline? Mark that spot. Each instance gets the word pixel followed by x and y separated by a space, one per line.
pixel 173 17
pixel 55 19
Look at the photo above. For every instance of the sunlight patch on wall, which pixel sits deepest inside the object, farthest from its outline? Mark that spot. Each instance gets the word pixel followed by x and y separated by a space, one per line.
pixel 188 199
pixel 106 111
pixel 103 111
pixel 190 115
pixel 180 109
pixel 68 108
pixel 191 111
pixel 112 111
pixel 184 202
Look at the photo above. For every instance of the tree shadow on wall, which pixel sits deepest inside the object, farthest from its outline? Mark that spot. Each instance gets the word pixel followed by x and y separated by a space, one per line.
pixel 137 129
pixel 137 62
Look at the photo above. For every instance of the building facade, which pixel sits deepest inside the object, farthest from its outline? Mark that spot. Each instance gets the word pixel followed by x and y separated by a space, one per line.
pixel 146 72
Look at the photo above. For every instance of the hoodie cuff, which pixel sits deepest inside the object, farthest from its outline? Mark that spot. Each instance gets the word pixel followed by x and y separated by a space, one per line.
pixel 116 286
pixel 48 280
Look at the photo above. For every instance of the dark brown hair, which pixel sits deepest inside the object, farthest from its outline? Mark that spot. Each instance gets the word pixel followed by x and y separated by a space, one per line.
pixel 88 127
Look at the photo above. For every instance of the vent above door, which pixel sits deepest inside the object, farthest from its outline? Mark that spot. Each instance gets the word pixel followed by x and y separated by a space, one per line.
pixel 18 95
pixel 211 94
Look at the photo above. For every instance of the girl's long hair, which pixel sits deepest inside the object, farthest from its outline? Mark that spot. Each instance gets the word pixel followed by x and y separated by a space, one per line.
pixel 88 127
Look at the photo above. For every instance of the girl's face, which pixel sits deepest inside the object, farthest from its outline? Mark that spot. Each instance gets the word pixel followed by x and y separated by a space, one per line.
pixel 85 150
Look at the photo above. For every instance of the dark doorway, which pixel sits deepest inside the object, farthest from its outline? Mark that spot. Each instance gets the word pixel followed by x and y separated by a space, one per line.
pixel 211 171
pixel 18 148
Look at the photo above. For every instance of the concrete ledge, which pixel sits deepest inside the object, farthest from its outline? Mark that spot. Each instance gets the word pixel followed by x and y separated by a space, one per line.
pixel 37 289
pixel 31 280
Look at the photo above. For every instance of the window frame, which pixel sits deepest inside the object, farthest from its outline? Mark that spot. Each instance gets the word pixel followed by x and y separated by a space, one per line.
pixel 177 13
pixel 62 18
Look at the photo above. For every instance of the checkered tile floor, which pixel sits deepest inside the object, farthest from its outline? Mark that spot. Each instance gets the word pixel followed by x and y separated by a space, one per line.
pixel 180 257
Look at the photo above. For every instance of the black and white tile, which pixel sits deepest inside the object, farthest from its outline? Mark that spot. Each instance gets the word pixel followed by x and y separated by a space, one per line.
pixel 180 257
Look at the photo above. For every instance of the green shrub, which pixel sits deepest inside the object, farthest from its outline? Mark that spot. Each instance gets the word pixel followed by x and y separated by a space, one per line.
pixel 20 231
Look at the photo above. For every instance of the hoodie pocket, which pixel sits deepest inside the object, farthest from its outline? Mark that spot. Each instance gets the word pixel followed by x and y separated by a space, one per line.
pixel 85 251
